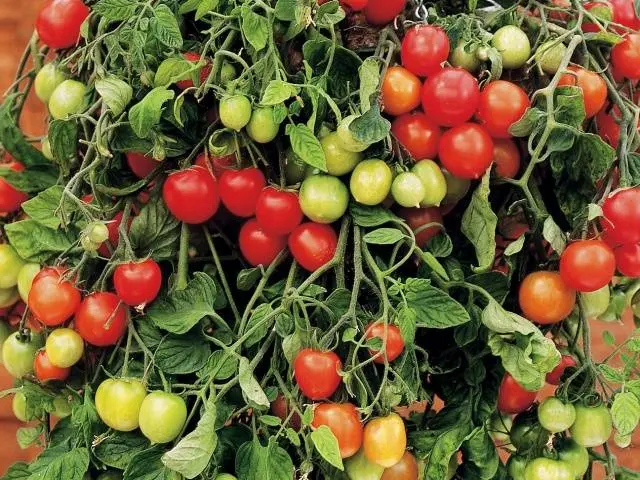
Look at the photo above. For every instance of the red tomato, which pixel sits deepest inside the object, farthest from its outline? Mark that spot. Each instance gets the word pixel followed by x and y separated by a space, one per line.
pixel 259 247
pixel 466 150
pixel 137 283
pixel 418 134
pixel 51 298
pixel 625 57
pixel 587 265
pixel 379 12
pixel 406 469
pixel 506 157
pixel 113 227
pixel 46 371
pixel 557 14
pixel 600 9
pixel 418 218
pixel 217 165
pixel 400 91
pixel 545 299
pixel 204 70
pixel 140 164
pixel 512 398
pixel 424 49
pixel 394 346
pixel 450 97
pixel 191 195
pixel 278 212
pixel 502 104
pixel 317 373
pixel 628 260
pixel 313 245
pixel 608 127
pixel 594 88
pixel 59 21
pixel 101 319
pixel 621 220
pixel 10 198
pixel 343 420
pixel 555 375
pixel 624 13
pixel 240 189
pixel 281 409
pixel 355 5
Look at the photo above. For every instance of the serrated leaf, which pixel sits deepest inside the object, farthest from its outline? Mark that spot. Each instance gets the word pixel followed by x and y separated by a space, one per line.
pixel 433 307
pixel 165 25
pixel 625 412
pixel 278 91
pixel 116 93
pixel 115 10
pixel 255 28
pixel 146 114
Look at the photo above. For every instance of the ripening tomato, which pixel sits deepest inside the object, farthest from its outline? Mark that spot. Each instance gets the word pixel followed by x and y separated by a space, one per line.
pixel 313 245
pixel 394 344
pixel 450 97
pixel 281 409
pixel 355 5
pixel 10 198
pixel 433 181
pixel 137 283
pixel 59 21
pixel 418 134
pixel 278 211
pixel 140 164
pixel 625 57
pixel 624 13
pixel 400 91
pixel 556 416
pixel 593 425
pixel 162 416
pixel 405 469
pixel 46 371
pixel 550 55
pixel 257 246
pixel 426 223
pixel 53 299
pixel 593 86
pixel 101 319
pixel 501 105
pixel 46 81
pixel 317 373
pixel 10 265
pixel 348 141
pixel 339 159
pixel 424 49
pixel 545 298
pixel 370 182
pixel 379 12
pixel 466 150
pixel 240 189
pixel 555 376
pixel 465 56
pixel 385 440
pixel 628 259
pixel 344 422
pixel 69 98
pixel 64 347
pixel 587 265
pixel 608 126
pixel 205 70
pixel 575 455
pixel 602 10
pixel 358 467
pixel 621 220
pixel 191 195
pixel 118 403
pixel 408 190
pixel 512 398
pixel 506 157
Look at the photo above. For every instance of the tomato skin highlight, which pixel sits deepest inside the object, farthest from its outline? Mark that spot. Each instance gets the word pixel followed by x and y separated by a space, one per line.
pixel 257 246
pixel 278 212
pixel 240 189
pixel 501 105
pixel 594 88
pixel 466 151
pixel 137 283
pixel 379 12
pixel 11 199
pixel 101 319
pixel 313 245
pixel 52 299
pixel 506 158
pixel 59 21
pixel 554 376
pixel 385 440
pixel 419 135
pixel 424 49
pixel 394 346
pixel 46 371
pixel 545 299
pixel 316 373
pixel 191 195
pixel 625 57
pixel 450 97
pixel 545 468
pixel 512 398
pixel 400 91
pixel 587 265
pixel 344 422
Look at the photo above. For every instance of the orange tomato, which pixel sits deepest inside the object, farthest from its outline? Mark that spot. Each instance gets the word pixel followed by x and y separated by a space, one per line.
pixel 385 440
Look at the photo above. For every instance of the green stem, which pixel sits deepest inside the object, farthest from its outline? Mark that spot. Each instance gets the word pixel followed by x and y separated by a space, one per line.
pixel 183 259
pixel 221 274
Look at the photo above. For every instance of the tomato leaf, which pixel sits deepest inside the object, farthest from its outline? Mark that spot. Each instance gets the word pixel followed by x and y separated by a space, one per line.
pixel 12 139
pixel 433 307
pixel 255 28
pixel 182 354
pixel 155 231
pixel 370 216
pixel 531 121
pixel 33 180
pixel 369 73
pixel 479 225
pixel 17 471
pixel 306 146
pixel 326 444
pixel 27 436
pixel 384 236
pixel 147 465
pixel 220 365
pixel 625 412
pixel 407 321
pixel 255 462
pixel 258 325
pixel 118 448
pixel 63 138
pixel 552 234
pixel 250 386
pixel 146 114
pixel 481 456
pixel 115 10
pixel 42 208
pixel 370 127
pixel 116 93
pixel 277 92
pixel 165 25
pixel 35 242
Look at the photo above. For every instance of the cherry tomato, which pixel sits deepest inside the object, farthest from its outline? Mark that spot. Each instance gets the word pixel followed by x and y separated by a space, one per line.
pixel 575 455
pixel 118 403
pixel 162 416
pixel 514 46
pixel 394 345
pixel 317 373
pixel 624 13
pixel 608 126
pixel 340 161
pixel 554 376
pixel 101 319
pixel 67 99
pixel 555 415
pixel 545 298
pixel 594 88
pixel 450 97
pixel 53 299
pixel 385 440
pixel 25 278
pixel 235 112
pixel 46 81
pixel 10 198
pixel 418 219
pixel 355 5
pixel 140 164
pixel 10 265
pixel 628 260
pixel 501 105
pixel 137 283
pixel 343 420
pixel 466 150
pixel 587 265
pixel 323 198
pixel 433 180
pixel 313 245
pixel 408 190
pixel 257 246
pixel 18 354
pixel 59 21
pixel 593 425
pixel 262 127
pixel 418 134
pixel 512 398
pixel 191 195
pixel 548 469
pixel 602 10
pixel 625 57
pixel 405 469
pixel 46 371
pixel 516 466
pixel 506 157
pixel 550 55
pixel 371 182
pixel 424 49
pixel 278 212
pixel 347 140
pixel 205 70
pixel 240 189
pixel 64 347
pixel 359 468
pixel 400 91
pixel 379 12
pixel 621 221
pixel 281 409
pixel 465 56
pixel 217 164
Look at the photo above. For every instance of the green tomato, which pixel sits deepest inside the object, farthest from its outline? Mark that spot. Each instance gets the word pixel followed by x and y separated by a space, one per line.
pixel 18 355
pixel 262 128
pixel 25 279
pixel 235 112
pixel 359 467
pixel 596 303
pixel 162 416
pixel 118 403
pixel 10 265
pixel 323 198
pixel 514 46
pixel 434 181
pixel 499 428
pixel 550 55
pixel 62 407
pixel 457 188
pixel 408 190
pixel 64 347
pixel 227 73
pixel 8 296
pixel 462 58
pixel 296 170
pixel 5 331
pixel 47 79
pixel 617 305
pixel 46 149
pixel 526 433
pixel 371 182
pixel 226 476
pixel 19 407
pixel 621 441
pixel 575 455
pixel 516 466
pixel 555 415
pixel 339 160
pixel 347 140
pixel 67 99
pixel 547 469
pixel 593 426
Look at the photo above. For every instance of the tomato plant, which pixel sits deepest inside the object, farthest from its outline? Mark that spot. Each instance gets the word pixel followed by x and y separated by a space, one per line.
pixel 339 160
pixel 313 245
pixel 392 339
pixel 140 164
pixel 262 127
pixel 575 455
pixel 235 112
pixel 46 81
pixel 426 223
pixel 67 99
pixel 543 468
pixel 380 12
pixel 621 213
pixel 408 190
pixel 593 425
pixel 344 422
pixel 405 469
pixel 205 70
pixel 625 57
pixel 513 45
